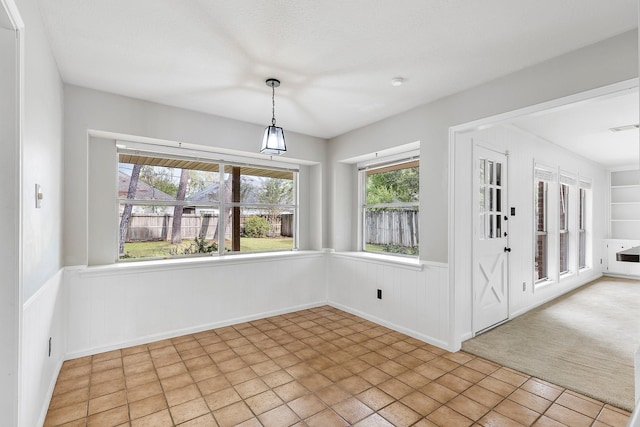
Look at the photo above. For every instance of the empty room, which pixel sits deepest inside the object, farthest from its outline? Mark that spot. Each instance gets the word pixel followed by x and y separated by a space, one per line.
pixel 319 213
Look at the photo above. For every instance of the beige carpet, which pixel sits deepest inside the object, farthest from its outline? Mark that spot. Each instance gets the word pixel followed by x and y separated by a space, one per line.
pixel 583 341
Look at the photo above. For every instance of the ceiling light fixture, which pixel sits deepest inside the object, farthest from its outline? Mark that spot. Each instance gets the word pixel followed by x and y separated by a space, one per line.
pixel 397 81
pixel 273 139
pixel 621 128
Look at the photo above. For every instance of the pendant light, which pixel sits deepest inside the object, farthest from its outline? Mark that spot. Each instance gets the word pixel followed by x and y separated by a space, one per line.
pixel 273 140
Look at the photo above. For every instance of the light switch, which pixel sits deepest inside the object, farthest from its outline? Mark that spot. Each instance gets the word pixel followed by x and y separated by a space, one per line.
pixel 39 196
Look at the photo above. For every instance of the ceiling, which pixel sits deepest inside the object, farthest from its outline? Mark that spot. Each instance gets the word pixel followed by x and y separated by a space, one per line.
pixel 584 128
pixel 335 58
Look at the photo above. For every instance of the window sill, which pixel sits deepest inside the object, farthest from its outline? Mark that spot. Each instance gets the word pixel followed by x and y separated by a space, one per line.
pixel 191 263
pixel 543 284
pixel 395 261
pixel 566 275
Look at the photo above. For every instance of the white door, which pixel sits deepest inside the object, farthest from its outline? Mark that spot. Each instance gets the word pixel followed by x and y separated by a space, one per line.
pixel 490 240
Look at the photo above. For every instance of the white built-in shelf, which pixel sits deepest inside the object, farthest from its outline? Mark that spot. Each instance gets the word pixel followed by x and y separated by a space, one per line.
pixel 625 204
pixel 625 178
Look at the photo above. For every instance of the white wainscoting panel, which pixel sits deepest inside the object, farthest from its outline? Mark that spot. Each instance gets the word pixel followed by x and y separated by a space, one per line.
pixel 127 305
pixel 415 299
pixel 43 317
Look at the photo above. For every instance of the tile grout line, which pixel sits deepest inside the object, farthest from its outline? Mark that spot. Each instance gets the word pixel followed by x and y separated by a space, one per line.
pixel 316 333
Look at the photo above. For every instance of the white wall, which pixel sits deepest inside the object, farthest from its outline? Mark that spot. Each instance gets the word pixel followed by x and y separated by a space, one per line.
pixel 87 109
pixel 524 150
pixel 42 153
pixel 115 307
pixel 36 275
pixel 604 63
pixel 412 295
pixel 608 62
pixel 44 316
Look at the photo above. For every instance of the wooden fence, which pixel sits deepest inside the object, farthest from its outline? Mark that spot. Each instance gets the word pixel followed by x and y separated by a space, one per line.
pixel 152 227
pixel 396 227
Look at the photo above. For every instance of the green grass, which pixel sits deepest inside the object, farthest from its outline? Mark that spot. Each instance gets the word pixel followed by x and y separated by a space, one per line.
pixel 164 248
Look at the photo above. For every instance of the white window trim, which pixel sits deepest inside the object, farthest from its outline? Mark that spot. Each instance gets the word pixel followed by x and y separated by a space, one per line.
pixel 586 183
pixel 169 152
pixel 375 163
pixel 547 174
pixel 571 180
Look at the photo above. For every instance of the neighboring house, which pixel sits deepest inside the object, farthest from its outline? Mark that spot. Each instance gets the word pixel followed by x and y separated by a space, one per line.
pixel 250 187
pixel 143 192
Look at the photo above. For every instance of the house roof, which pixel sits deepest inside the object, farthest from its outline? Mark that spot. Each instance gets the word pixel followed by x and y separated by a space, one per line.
pixel 249 185
pixel 143 190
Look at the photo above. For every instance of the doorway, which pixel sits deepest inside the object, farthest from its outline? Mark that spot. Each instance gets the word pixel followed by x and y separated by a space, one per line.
pixel 521 133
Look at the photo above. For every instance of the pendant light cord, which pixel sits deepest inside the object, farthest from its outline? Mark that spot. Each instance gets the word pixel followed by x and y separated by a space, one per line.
pixel 273 104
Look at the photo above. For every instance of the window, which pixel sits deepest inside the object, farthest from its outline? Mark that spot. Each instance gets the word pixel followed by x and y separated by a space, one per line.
pixel 390 206
pixel 563 228
pixel 540 265
pixel 584 223
pixel 173 207
pixel 542 177
pixel 568 212
pixel 490 199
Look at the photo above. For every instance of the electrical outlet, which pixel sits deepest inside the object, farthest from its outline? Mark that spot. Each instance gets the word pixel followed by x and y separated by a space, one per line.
pixel 379 293
pixel 49 346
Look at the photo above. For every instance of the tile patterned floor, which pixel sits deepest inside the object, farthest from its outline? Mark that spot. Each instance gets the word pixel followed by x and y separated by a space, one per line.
pixel 317 367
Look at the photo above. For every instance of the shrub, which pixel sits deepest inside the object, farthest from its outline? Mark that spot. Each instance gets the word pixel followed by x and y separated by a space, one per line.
pixel 198 246
pixel 397 249
pixel 256 226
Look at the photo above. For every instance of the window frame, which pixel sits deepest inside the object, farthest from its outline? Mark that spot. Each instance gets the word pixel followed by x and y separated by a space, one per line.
pixel 584 223
pixel 220 204
pixel 564 234
pixel 372 165
pixel 547 177
pixel 569 229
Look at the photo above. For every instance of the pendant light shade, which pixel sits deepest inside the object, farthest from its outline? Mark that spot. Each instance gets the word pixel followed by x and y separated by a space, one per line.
pixel 273 139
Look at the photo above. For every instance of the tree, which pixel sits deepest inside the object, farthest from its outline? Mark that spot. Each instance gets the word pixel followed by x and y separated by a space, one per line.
pixel 176 232
pixel 276 191
pixel 400 185
pixel 197 181
pixel 126 215
pixel 160 178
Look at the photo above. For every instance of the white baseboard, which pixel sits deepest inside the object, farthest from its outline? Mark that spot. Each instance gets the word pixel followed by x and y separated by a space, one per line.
pixel 390 325
pixel 52 386
pixel 192 330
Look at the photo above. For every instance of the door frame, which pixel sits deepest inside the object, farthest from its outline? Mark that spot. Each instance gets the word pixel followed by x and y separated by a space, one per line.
pixel 459 262
pixel 12 295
